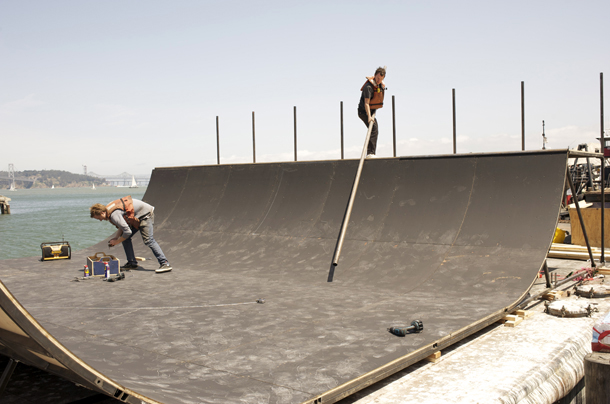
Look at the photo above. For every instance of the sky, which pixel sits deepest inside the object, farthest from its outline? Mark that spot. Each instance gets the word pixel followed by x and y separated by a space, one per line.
pixel 127 86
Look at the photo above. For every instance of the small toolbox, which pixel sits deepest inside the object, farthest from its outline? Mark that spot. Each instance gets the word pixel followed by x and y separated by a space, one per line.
pixel 59 250
pixel 97 264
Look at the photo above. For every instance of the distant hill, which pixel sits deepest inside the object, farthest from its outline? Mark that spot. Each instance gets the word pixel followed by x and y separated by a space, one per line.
pixel 49 178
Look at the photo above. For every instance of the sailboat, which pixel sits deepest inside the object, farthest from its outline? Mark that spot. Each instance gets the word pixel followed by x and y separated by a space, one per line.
pixel 93 187
pixel 12 188
pixel 52 186
pixel 134 184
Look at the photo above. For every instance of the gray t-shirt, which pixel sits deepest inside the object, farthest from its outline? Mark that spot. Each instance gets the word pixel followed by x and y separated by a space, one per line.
pixel 141 210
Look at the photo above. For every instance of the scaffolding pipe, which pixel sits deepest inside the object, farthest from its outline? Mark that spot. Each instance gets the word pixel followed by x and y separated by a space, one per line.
pixel 217 142
pixel 350 204
pixel 253 140
pixel 394 124
pixel 454 129
pixel 341 114
pixel 522 115
pixel 603 163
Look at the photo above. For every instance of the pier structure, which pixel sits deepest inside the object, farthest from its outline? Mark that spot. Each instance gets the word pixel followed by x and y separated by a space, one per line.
pixel 5 207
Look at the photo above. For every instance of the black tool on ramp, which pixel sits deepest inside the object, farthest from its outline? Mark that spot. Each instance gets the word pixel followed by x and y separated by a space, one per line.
pixel 416 327
pixel 350 204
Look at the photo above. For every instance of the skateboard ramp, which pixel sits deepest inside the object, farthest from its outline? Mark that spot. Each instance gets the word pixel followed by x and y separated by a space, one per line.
pixel 453 241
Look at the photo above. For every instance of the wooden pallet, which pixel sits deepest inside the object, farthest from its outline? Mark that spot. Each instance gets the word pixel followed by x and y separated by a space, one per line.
pixel 514 319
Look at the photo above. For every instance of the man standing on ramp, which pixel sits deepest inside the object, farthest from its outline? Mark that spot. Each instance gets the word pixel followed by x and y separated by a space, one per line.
pixel 371 99
pixel 130 215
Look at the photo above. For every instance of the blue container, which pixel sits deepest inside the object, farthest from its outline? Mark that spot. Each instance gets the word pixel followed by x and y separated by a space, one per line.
pixel 97 264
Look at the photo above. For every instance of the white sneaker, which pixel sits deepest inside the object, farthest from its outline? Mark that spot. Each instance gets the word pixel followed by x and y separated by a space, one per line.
pixel 371 156
pixel 164 268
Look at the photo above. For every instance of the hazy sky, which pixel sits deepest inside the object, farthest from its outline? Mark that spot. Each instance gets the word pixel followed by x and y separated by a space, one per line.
pixel 132 85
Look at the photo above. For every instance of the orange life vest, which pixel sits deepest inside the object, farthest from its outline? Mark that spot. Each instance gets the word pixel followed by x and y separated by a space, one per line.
pixel 376 101
pixel 126 205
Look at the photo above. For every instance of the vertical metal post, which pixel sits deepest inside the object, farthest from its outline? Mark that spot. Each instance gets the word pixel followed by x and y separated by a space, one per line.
pixel 522 115
pixel 394 124
pixel 603 162
pixel 582 223
pixel 253 140
pixel 295 133
pixel 341 114
pixel 217 141
pixel 454 128
pixel 545 268
pixel 350 204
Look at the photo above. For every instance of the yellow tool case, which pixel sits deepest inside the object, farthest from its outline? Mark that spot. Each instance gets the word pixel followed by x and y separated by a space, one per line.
pixel 59 250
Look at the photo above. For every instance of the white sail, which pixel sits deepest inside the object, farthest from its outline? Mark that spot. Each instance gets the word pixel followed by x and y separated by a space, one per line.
pixel 134 184
pixel 93 187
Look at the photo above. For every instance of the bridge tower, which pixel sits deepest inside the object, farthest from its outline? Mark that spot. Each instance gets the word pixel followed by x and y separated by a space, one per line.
pixel 11 175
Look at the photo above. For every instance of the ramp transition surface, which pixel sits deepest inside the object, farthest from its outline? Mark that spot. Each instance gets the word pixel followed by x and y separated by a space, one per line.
pixel 453 241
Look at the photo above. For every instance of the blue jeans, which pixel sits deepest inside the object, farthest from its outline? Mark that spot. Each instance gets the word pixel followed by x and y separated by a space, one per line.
pixel 146 229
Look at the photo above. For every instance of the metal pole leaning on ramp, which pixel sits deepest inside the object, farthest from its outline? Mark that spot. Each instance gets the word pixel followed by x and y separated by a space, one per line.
pixel 582 223
pixel 350 204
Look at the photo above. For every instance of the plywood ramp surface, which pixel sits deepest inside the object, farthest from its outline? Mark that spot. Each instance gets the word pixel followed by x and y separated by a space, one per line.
pixel 453 241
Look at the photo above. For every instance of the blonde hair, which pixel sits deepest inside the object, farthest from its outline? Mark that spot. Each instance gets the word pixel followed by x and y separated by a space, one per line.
pixel 97 209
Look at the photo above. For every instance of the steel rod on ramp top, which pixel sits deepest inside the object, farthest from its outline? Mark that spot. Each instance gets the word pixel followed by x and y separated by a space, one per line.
pixel 350 204
pixel 217 141
pixel 295 133
pixel 341 114
pixel 454 129
pixel 522 115
pixel 253 140
pixel 602 260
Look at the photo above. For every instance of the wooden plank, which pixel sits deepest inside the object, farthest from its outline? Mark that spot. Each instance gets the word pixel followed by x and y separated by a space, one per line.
pixel 513 323
pixel 435 357
pixel 592 220
pixel 576 248
pixel 524 313
pixel 584 256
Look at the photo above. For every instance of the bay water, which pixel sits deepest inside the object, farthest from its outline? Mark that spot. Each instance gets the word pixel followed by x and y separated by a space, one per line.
pixel 44 215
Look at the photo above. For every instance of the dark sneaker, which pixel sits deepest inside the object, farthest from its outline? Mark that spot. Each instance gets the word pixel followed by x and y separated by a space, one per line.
pixel 164 268
pixel 129 266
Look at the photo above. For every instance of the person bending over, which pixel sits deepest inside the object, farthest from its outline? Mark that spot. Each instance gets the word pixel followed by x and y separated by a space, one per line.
pixel 130 216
